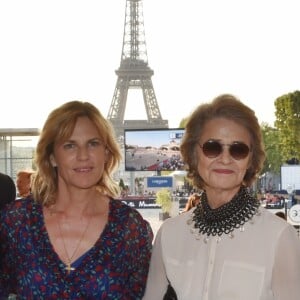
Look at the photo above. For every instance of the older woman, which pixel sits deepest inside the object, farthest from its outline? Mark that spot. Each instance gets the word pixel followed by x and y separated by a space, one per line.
pixel 73 240
pixel 228 247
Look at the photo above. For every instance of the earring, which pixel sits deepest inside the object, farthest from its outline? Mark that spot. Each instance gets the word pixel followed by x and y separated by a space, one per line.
pixel 52 162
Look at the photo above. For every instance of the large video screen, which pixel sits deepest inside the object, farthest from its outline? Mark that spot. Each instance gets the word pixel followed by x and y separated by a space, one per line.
pixel 153 149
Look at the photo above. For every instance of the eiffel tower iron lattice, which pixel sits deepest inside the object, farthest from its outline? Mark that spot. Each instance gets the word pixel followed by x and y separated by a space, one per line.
pixel 134 73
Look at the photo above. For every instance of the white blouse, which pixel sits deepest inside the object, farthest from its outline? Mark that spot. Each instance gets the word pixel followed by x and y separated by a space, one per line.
pixel 261 262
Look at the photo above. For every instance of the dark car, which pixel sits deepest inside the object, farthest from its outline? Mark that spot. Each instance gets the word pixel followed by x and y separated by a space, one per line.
pixel 276 199
pixel 281 193
pixel 296 194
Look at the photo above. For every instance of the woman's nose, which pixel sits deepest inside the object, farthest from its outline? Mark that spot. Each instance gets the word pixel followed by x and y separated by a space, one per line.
pixel 82 152
pixel 225 156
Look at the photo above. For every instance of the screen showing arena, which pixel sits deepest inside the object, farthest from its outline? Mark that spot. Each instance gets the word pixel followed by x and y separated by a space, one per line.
pixel 153 149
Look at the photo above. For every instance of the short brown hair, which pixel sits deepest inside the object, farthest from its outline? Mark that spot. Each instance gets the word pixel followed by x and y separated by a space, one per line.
pixel 229 107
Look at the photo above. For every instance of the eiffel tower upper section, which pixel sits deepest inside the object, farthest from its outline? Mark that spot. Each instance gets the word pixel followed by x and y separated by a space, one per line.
pixel 134 72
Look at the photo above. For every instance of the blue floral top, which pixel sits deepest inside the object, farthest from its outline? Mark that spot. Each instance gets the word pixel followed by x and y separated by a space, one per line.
pixel 116 267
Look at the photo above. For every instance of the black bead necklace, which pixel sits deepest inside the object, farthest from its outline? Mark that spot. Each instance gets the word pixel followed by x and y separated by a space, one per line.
pixel 226 218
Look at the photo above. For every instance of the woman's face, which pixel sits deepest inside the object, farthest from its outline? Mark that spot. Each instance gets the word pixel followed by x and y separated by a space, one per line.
pixel 223 172
pixel 80 160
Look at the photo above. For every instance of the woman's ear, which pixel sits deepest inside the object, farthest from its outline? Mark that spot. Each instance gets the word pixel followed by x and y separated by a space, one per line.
pixel 52 161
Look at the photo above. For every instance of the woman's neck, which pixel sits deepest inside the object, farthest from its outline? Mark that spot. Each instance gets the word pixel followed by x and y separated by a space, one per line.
pixel 219 197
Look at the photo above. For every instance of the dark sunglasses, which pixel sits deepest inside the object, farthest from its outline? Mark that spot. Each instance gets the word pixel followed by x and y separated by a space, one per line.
pixel 237 150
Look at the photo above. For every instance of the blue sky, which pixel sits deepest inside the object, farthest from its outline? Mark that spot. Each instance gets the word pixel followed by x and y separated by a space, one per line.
pixel 53 51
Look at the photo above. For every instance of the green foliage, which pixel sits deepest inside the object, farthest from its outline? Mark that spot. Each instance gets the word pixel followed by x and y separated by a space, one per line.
pixel 164 199
pixel 121 184
pixel 288 125
pixel 273 155
pixel 183 122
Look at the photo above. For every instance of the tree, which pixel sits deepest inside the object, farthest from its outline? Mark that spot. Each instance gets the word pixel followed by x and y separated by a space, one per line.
pixel 273 155
pixel 183 122
pixel 164 199
pixel 288 125
pixel 121 184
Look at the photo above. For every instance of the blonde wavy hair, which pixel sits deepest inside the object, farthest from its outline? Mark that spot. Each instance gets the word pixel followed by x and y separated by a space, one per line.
pixel 58 128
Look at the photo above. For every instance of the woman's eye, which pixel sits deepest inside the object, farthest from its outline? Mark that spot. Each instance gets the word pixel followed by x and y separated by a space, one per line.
pixel 69 146
pixel 95 143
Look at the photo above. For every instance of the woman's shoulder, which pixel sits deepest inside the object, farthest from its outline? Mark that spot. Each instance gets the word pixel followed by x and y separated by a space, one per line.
pixel 19 215
pixel 120 205
pixel 270 222
pixel 128 216
pixel 19 208
pixel 270 216
pixel 178 223
pixel 123 210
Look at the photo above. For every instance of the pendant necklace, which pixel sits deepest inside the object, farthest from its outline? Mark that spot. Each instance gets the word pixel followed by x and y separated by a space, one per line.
pixel 69 258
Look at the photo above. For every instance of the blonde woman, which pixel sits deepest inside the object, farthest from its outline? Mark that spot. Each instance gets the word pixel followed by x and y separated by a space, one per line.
pixel 73 240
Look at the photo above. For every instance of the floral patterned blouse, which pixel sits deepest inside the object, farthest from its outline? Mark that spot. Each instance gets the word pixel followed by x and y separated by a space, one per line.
pixel 116 267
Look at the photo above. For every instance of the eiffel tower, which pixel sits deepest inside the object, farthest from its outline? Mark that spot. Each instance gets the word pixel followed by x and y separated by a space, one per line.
pixel 134 73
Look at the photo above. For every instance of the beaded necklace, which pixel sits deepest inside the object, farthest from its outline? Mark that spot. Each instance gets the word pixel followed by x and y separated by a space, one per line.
pixel 226 218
